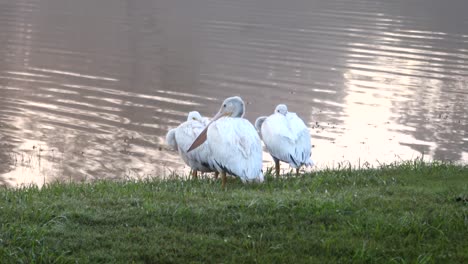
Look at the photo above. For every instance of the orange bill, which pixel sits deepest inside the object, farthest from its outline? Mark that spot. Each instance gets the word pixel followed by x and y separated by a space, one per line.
pixel 199 140
pixel 203 135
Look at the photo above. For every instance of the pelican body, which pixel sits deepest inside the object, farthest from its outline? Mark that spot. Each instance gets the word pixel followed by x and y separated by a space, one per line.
pixel 181 137
pixel 286 138
pixel 233 143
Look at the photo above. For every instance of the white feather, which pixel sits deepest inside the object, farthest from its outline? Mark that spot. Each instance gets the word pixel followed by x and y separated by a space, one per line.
pixel 259 123
pixel 170 139
pixel 287 138
pixel 236 148
pixel 181 138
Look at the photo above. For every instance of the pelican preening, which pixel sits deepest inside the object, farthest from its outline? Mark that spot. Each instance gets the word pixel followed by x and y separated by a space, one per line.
pixel 181 137
pixel 230 144
pixel 286 138
pixel 233 143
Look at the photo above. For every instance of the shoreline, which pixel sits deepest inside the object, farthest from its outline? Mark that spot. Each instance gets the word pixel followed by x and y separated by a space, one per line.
pixel 408 212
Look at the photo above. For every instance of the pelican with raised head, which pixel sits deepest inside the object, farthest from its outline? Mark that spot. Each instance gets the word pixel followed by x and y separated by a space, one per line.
pixel 181 137
pixel 286 138
pixel 233 143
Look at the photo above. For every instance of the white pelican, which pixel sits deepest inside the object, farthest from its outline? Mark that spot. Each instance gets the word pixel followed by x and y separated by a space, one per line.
pixel 233 142
pixel 181 137
pixel 286 138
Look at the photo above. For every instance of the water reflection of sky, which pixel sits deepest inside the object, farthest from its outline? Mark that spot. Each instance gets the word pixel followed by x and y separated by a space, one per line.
pixel 88 90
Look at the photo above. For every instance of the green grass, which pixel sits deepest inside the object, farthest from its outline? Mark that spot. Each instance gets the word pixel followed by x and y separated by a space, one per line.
pixel 413 212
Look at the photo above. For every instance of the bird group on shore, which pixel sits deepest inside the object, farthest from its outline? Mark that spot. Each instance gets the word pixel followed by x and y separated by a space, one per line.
pixel 230 144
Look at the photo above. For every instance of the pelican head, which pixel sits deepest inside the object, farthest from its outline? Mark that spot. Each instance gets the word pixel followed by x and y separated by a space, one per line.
pixel 281 109
pixel 231 107
pixel 194 115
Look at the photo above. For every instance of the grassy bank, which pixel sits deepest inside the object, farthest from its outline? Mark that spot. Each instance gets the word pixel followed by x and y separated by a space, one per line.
pixel 407 213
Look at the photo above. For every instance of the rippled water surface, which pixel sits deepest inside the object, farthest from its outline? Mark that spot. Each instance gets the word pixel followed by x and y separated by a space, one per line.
pixel 89 88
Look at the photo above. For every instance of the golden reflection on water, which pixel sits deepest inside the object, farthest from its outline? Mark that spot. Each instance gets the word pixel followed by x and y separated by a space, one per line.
pixel 88 91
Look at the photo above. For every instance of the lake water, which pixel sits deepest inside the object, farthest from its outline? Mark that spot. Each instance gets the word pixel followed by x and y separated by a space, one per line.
pixel 89 88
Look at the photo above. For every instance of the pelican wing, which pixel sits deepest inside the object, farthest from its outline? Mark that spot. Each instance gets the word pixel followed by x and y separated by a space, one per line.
pixel 170 138
pixel 186 133
pixel 236 148
pixel 205 121
pixel 287 139
pixel 295 122
pixel 259 123
pixel 277 137
pixel 303 145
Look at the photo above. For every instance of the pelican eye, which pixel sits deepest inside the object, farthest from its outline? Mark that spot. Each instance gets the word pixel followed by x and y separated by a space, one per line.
pixel 193 118
pixel 224 105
